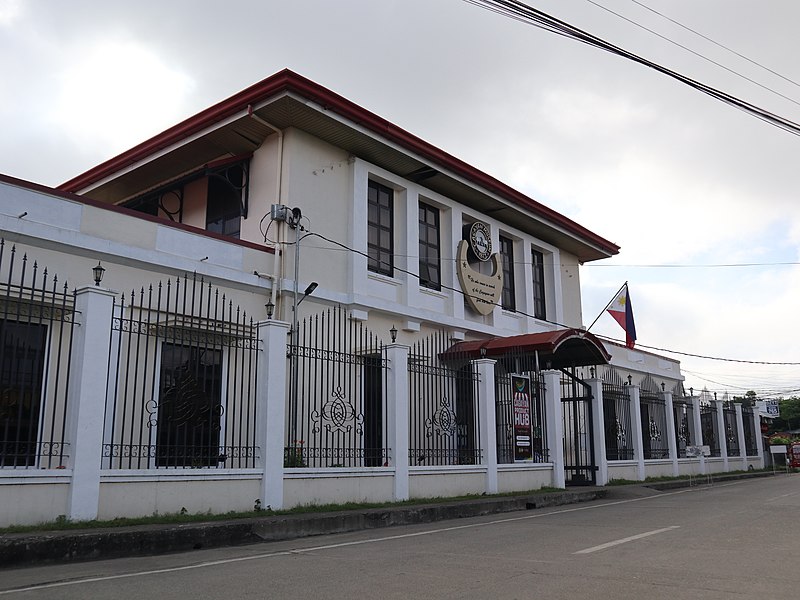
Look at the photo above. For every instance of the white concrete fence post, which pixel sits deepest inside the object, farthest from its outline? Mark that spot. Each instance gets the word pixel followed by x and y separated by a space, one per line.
pixel 740 435
pixel 488 419
pixel 87 399
pixel 636 425
pixel 673 439
pixel 721 434
pixel 271 409
pixel 759 440
pixel 598 426
pixel 555 424
pixel 397 416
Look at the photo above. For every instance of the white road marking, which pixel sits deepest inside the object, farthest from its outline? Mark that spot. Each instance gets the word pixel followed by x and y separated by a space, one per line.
pixel 226 561
pixel 625 540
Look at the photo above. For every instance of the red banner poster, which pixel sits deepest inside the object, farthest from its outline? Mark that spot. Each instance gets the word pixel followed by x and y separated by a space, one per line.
pixel 521 389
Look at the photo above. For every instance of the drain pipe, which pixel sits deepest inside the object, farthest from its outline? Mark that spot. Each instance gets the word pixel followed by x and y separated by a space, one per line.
pixel 278 262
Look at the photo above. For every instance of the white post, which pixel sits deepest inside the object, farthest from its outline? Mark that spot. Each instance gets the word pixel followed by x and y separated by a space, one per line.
pixel 721 434
pixel 740 434
pixel 636 425
pixel 759 440
pixel 555 424
pixel 488 435
pixel 698 430
pixel 397 415
pixel 673 439
pixel 598 425
pixel 87 399
pixel 271 409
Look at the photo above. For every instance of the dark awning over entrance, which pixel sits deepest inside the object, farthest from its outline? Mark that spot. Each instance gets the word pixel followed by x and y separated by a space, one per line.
pixel 558 349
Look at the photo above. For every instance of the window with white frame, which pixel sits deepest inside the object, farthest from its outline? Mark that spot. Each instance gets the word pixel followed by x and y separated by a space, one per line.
pixel 508 298
pixel 380 228
pixel 539 300
pixel 430 275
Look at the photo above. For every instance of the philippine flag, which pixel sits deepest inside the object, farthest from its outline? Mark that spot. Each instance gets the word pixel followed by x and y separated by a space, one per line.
pixel 622 310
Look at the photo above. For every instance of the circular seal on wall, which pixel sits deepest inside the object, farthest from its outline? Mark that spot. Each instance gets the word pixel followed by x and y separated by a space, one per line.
pixel 480 242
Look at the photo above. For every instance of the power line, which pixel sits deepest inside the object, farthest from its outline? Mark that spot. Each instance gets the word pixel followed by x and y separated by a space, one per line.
pixel 699 55
pixel 522 12
pixel 724 47
pixel 519 312
pixel 718 358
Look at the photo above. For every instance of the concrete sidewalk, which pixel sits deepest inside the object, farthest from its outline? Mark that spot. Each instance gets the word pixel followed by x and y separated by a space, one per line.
pixel 23 549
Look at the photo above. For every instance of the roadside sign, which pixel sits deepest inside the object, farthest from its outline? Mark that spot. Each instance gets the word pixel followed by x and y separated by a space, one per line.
pixel 521 394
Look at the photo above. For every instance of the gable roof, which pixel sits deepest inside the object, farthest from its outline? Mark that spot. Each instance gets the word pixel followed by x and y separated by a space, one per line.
pixel 287 99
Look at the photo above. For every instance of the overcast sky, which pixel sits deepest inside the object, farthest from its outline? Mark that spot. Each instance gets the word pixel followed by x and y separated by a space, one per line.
pixel 679 180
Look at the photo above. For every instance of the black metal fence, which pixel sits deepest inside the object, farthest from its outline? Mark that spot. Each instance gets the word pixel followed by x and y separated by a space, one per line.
pixel 182 380
pixel 655 442
pixel 580 467
pixel 750 433
pixel 36 324
pixel 617 417
pixel 337 394
pixel 522 364
pixel 682 417
pixel 443 407
pixel 708 424
pixel 731 429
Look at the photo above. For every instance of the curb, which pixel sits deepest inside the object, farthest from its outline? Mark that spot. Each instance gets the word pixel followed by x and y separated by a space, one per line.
pixel 28 549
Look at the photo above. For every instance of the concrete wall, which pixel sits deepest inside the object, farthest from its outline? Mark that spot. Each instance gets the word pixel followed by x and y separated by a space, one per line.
pixel 28 499
pixel 303 487
pixel 442 482
pixel 132 494
pixel 520 478
pixel 622 470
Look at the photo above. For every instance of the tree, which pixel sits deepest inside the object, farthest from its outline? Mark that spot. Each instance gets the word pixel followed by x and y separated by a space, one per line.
pixel 790 412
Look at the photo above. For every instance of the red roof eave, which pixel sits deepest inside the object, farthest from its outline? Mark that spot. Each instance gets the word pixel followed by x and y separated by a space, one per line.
pixel 287 80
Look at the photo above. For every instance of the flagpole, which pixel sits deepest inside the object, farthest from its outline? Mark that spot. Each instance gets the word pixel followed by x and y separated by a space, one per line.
pixel 614 297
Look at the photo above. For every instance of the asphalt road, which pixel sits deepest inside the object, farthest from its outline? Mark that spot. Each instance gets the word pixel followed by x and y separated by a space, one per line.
pixel 732 540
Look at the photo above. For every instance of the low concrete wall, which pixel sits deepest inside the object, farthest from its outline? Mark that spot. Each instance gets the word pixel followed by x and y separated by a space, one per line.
pixel 622 469
pixel 303 487
pixel 139 494
pixel 658 468
pixel 31 499
pixel 443 482
pixel 689 466
pixel 523 477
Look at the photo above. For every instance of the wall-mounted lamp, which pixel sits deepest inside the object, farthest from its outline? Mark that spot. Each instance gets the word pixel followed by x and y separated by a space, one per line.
pixel 663 387
pixel 393 333
pixel 270 306
pixel 630 379
pixel 98 273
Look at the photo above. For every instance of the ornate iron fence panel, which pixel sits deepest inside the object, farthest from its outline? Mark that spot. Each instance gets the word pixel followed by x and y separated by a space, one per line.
pixel 519 363
pixel 682 417
pixel 708 424
pixel 181 390
pixel 655 442
pixel 580 467
pixel 443 414
pixel 36 323
pixel 731 430
pixel 337 395
pixel 617 417
pixel 750 442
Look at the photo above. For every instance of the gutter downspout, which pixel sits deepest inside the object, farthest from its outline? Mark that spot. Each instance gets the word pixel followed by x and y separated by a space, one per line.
pixel 279 264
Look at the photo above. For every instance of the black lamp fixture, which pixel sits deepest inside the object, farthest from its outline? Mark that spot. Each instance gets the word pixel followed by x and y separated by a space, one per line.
pixel 270 306
pixel 309 290
pixel 98 273
pixel 393 333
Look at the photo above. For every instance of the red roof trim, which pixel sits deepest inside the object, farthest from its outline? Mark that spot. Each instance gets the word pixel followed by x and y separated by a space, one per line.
pixel 129 212
pixel 287 80
pixel 546 341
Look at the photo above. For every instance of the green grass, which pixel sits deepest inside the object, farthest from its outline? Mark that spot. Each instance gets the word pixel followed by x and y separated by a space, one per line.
pixel 665 478
pixel 62 523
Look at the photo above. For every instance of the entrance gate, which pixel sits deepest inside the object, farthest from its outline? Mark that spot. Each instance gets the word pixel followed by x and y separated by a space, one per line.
pixel 576 404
